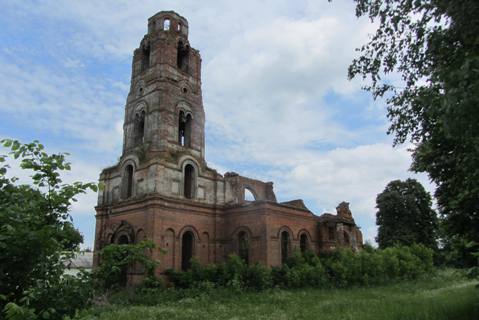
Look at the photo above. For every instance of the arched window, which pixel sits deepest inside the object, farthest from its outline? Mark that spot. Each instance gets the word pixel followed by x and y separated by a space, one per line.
pixel 178 27
pixel 189 182
pixel 128 181
pixel 187 243
pixel 285 246
pixel 139 126
pixel 184 129
pixel 123 239
pixel 303 242
pixel 166 24
pixel 249 195
pixel 182 56
pixel 243 246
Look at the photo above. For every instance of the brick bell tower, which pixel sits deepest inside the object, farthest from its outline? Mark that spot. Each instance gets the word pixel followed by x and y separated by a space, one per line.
pixel 162 166
pixel 164 113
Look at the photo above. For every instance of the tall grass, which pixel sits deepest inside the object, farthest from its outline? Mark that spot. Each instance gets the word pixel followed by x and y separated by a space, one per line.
pixel 447 295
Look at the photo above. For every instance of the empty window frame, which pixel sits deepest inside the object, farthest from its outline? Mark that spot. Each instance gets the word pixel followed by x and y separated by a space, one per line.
pixel 184 129
pixel 285 246
pixel 189 182
pixel 140 126
pixel 166 24
pixel 128 181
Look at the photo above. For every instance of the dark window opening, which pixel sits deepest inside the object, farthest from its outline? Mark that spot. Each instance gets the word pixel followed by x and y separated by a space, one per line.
pixel 189 182
pixel 346 237
pixel 186 250
pixel 243 246
pixel 184 129
pixel 123 240
pixel 332 233
pixel 145 57
pixel 166 24
pixel 303 243
pixel 139 126
pixel 284 246
pixel 128 181
pixel 182 58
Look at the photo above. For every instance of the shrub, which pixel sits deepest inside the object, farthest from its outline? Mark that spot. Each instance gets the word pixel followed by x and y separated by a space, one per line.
pixel 341 268
pixel 258 277
pixel 116 258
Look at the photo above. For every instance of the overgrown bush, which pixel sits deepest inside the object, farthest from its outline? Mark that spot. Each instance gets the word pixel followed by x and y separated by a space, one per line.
pixel 337 269
pixel 117 258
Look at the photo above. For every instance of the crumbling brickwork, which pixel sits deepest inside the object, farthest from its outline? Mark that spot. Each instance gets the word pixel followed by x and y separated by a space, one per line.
pixel 163 190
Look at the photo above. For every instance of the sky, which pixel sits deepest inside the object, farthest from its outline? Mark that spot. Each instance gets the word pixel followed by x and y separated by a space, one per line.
pixel 278 104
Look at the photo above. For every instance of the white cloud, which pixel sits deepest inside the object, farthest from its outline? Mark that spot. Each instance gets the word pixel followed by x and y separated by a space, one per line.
pixel 41 99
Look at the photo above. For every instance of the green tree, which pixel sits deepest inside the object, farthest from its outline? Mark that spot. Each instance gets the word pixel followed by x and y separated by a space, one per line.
pixel 404 215
pixel 434 46
pixel 35 231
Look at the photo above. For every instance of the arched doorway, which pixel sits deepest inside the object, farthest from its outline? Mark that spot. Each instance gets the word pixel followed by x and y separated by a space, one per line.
pixel 123 277
pixel 285 246
pixel 187 242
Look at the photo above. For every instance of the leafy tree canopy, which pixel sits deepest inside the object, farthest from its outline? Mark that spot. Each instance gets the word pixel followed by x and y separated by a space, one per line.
pixel 35 228
pixel 434 46
pixel 404 215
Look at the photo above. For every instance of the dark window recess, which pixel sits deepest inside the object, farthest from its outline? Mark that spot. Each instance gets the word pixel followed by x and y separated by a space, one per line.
pixel 346 237
pixel 243 246
pixel 189 182
pixel 182 59
pixel 128 181
pixel 284 246
pixel 332 233
pixel 123 239
pixel 139 127
pixel 145 57
pixel 186 250
pixel 184 129
pixel 303 242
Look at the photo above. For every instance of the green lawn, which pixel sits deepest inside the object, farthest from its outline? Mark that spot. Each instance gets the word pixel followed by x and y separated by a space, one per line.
pixel 443 297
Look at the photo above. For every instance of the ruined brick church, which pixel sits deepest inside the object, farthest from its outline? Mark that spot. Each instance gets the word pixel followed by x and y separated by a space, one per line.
pixel 162 188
